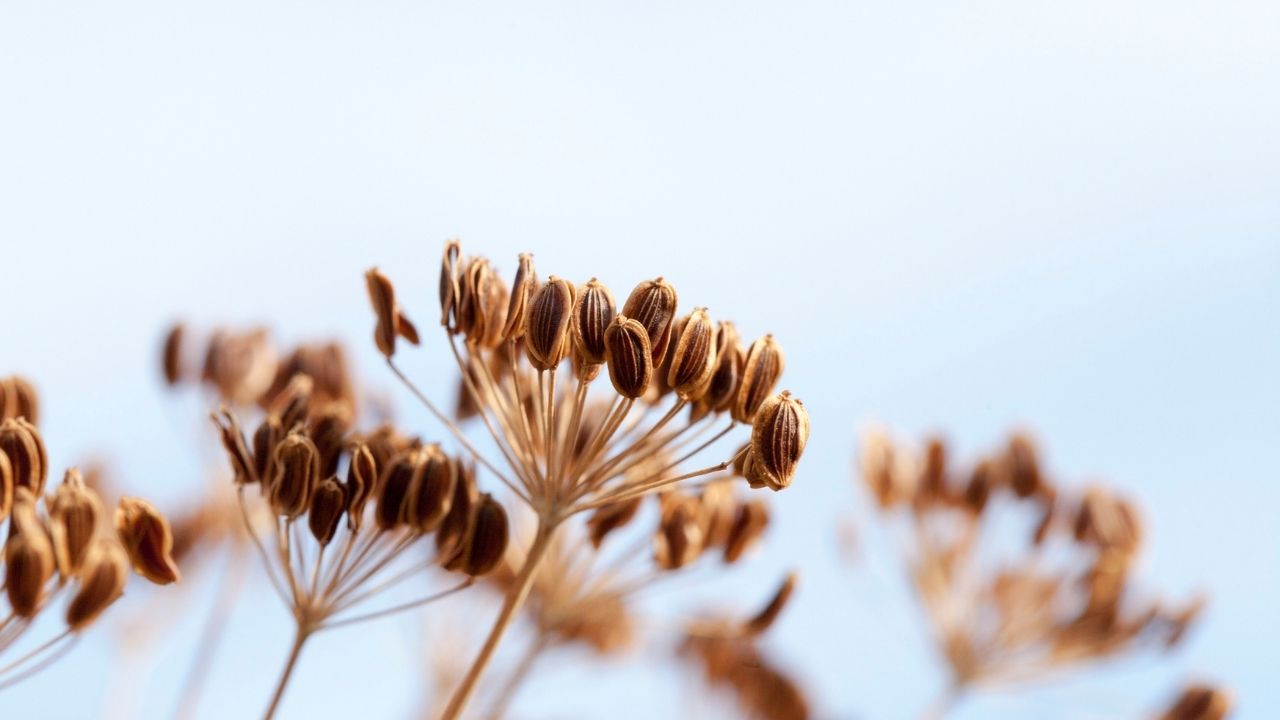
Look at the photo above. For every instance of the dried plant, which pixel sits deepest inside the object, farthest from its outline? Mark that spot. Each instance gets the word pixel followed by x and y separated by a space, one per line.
pixel 398 492
pixel 60 546
pixel 529 354
pixel 730 657
pixel 1062 597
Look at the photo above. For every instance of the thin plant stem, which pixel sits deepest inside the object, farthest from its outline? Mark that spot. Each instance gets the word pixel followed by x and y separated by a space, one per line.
pixel 298 640
pixel 43 647
pixel 229 591
pixel 44 663
pixel 399 608
pixel 942 705
pixel 517 677
pixel 462 439
pixel 510 606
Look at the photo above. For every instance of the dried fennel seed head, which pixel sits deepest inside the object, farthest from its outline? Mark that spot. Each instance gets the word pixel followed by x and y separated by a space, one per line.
pixel 1041 617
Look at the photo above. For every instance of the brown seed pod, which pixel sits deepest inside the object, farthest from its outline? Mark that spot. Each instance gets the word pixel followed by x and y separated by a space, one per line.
pixel 74 512
pixel 495 314
pixel 451 536
pixel 327 505
pixel 28 460
pixel 171 355
pixel 1109 522
pixel 265 440
pixel 610 517
pixel 328 429
pixel 722 387
pixel 1024 467
pixel 694 358
pixel 978 490
pixel 488 537
pixel 242 463
pixel 293 403
pixel 764 619
pixel 933 474
pixel 431 493
pixel 760 372
pixel 390 321
pixel 522 290
pixel 297 472
pixel 547 330
pixel 1200 702
pixel 678 541
pixel 778 437
pixel 6 487
pixel 146 537
pixel 397 478
pixel 627 351
pixel 106 568
pixel 28 557
pixel 748 526
pixel 450 286
pixel 362 477
pixel 18 399
pixel 653 304
pixel 475 311
pixel 592 314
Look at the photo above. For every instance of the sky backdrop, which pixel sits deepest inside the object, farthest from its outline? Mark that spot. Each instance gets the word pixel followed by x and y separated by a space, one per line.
pixel 957 217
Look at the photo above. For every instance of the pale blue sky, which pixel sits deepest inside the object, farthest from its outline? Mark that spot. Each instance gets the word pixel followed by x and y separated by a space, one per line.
pixel 958 216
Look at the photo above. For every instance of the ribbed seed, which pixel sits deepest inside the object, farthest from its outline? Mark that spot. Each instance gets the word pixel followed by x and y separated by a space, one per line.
pixel 653 304
pixel 547 331
pixel 592 313
pixel 626 345
pixel 431 494
pixel 760 373
pixel 488 538
pixel 694 358
pixel 778 437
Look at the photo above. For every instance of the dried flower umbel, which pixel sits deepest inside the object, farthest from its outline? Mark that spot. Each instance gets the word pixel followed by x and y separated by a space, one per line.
pixel 730 657
pixel 60 546
pixel 339 511
pixel 529 356
pixel 1063 598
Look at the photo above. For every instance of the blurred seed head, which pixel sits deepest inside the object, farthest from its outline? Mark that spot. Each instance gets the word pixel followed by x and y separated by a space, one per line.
pixel 74 513
pixel 18 399
pixel 102 579
pixel 28 557
pixel 148 540
pixel 28 461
